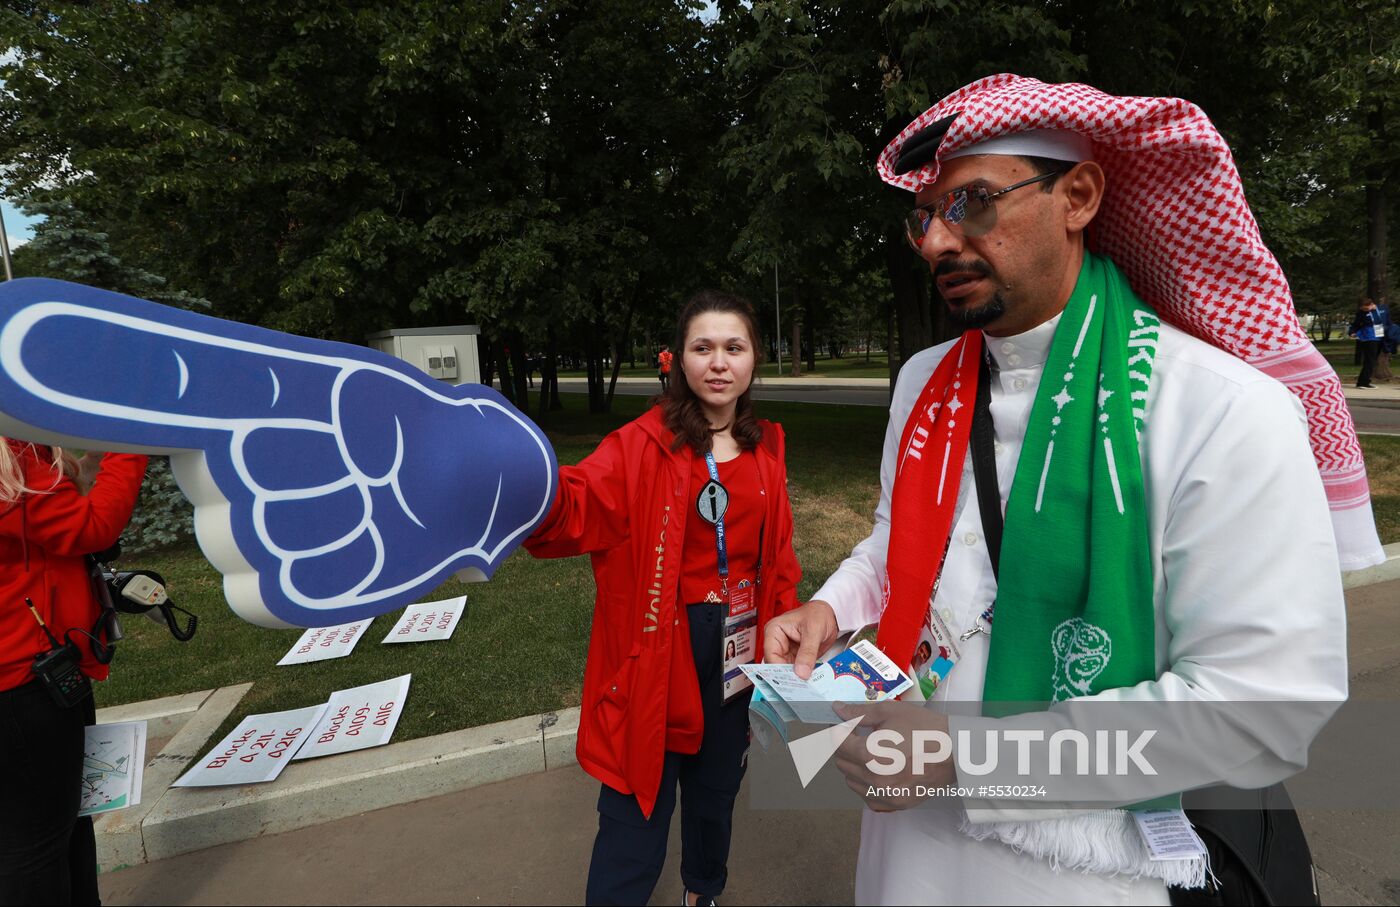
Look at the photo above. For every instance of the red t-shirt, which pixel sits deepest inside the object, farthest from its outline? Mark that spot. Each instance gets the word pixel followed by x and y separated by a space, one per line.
pixel 663 359
pixel 743 522
pixel 699 581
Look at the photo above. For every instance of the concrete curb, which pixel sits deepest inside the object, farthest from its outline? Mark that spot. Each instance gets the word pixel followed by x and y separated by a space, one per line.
pixel 121 834
pixel 1378 394
pixel 172 821
pixel 1381 573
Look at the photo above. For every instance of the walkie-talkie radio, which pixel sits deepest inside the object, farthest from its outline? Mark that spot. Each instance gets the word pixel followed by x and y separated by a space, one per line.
pixel 58 668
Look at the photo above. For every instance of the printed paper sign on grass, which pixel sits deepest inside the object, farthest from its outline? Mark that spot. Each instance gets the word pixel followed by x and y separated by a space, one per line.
pixel 358 718
pixel 114 756
pixel 321 643
pixel 255 751
pixel 429 621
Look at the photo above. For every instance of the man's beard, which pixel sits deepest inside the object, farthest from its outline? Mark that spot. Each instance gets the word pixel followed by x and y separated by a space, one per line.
pixel 979 317
pixel 965 318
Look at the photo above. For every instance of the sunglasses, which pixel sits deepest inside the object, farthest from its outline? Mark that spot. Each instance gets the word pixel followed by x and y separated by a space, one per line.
pixel 966 211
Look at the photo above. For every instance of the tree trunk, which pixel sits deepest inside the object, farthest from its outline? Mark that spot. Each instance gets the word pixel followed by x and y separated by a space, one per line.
pixel 487 358
pixel 503 369
pixel 550 370
pixel 889 344
pixel 623 342
pixel 593 352
pixel 809 319
pixel 549 376
pixel 1376 186
pixel 498 356
pixel 910 310
pixel 795 349
pixel 521 380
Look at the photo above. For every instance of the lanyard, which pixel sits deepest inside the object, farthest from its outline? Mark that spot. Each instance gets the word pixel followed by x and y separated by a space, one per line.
pixel 717 509
pixel 984 472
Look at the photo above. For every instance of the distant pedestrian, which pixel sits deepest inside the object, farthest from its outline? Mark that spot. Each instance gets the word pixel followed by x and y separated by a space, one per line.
pixel 1365 327
pixel 1387 333
pixel 663 367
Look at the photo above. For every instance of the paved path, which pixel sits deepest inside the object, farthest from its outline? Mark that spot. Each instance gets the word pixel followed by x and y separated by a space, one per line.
pixel 527 840
pixel 1381 417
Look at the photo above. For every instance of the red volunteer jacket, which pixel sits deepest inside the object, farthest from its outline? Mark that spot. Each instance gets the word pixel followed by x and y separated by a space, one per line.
pixel 627 505
pixel 43 538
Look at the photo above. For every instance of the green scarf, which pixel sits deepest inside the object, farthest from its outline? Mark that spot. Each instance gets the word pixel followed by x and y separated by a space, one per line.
pixel 1074 611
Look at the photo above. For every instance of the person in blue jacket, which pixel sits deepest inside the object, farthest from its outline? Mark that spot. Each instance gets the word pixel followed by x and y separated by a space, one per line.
pixel 1367 328
pixel 1388 333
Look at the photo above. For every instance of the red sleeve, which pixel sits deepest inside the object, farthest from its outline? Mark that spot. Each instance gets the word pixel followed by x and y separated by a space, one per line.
pixel 590 508
pixel 62 519
pixel 787 572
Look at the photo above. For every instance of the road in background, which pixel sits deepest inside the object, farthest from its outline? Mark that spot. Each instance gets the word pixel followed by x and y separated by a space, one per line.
pixel 1373 415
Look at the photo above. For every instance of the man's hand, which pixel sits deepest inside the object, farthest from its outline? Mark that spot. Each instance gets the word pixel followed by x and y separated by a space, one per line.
pixel 800 636
pixel 927 757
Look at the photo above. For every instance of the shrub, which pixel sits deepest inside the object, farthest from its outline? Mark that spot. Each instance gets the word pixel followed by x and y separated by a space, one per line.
pixel 163 516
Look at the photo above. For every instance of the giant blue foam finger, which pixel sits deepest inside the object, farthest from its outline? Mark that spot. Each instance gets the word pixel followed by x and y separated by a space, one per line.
pixel 331 482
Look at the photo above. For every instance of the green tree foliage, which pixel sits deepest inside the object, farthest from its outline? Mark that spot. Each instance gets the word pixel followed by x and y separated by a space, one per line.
pixel 66 246
pixel 565 173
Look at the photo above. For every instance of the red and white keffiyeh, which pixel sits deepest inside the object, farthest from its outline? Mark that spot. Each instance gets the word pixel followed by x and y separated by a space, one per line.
pixel 1175 220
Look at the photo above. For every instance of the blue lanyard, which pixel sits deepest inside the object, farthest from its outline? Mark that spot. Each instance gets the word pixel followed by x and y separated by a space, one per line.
pixel 721 549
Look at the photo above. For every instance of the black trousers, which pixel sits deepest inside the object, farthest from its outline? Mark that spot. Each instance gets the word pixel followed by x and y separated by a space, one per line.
pixel 630 850
pixel 47 854
pixel 1370 349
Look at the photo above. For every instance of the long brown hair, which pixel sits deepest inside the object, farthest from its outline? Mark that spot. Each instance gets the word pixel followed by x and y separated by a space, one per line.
pixel 680 408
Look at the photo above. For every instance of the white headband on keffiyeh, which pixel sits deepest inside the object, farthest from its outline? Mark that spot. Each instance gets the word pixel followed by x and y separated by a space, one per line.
pixel 1174 218
pixel 1055 144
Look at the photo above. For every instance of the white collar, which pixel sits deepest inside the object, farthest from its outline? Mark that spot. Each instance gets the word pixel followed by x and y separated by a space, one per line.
pixel 1026 350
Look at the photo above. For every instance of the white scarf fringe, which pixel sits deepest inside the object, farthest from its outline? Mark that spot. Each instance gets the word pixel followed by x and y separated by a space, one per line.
pixel 1103 842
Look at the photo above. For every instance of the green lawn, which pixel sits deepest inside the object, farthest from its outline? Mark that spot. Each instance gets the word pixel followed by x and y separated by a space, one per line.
pixel 1382 454
pixel 531 622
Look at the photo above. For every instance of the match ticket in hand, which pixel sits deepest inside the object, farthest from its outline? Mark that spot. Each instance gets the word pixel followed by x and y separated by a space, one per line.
pixel 861 673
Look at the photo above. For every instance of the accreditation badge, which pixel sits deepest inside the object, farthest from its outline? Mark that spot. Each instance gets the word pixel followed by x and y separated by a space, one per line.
pixel 740 645
pixel 935 655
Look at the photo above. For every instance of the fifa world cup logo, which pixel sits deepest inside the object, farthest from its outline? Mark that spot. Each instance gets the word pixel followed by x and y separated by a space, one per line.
pixel 1082 651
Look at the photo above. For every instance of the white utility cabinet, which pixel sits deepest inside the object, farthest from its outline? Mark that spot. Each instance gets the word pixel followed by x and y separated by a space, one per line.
pixel 448 353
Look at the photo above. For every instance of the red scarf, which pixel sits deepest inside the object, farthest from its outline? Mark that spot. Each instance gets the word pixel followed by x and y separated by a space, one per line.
pixel 932 450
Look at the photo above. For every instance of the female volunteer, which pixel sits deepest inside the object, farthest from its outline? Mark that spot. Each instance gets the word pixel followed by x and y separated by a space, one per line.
pixel 47 525
pixel 685 512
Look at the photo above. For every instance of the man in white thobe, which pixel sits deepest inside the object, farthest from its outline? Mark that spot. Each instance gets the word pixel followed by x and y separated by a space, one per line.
pixel 1245 563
